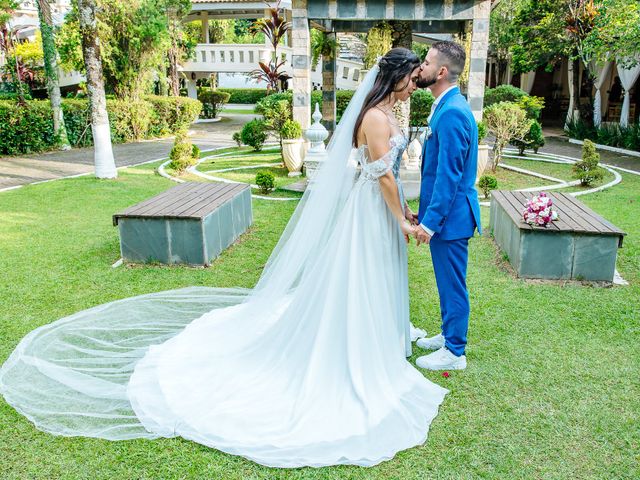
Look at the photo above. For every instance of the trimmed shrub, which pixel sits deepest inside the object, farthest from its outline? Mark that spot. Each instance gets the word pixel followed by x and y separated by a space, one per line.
pixel 129 120
pixel 421 102
pixel 29 128
pixel 254 134
pixel 212 102
pixel 482 131
pixel 266 181
pixel 244 95
pixel 237 137
pixel 26 128
pixel 506 121
pixel 532 105
pixel 533 140
pixel 587 170
pixel 171 114
pixel 487 183
pixel 183 154
pixel 291 130
pixel 343 97
pixel 503 93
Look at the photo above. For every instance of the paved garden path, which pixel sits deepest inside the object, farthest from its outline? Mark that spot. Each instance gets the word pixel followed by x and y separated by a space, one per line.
pixel 24 169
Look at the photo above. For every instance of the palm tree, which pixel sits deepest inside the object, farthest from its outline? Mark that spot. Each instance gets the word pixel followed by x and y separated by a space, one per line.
pixel 51 71
pixel 105 165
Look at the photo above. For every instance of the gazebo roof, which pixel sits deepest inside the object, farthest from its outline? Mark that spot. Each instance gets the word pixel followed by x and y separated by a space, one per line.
pixel 231 9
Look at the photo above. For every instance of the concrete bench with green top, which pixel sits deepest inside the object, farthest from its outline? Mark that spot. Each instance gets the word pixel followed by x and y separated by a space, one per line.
pixel 580 245
pixel 191 223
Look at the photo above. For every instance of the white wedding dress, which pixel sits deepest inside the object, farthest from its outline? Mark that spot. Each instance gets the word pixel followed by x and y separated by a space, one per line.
pixel 307 369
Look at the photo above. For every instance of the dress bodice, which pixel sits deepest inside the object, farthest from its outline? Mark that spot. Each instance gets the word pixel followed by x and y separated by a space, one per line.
pixel 372 170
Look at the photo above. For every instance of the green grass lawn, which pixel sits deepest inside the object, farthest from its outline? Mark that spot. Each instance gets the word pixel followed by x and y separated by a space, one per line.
pixel 551 390
pixel 510 180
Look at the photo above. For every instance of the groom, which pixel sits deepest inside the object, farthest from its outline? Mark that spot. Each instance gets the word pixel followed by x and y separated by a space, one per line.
pixel 449 209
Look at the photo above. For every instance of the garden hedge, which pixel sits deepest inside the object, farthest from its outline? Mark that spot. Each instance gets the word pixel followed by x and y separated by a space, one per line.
pixel 29 128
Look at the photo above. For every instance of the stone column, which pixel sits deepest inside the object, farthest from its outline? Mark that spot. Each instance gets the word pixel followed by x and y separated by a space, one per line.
pixel 205 26
pixel 192 89
pixel 478 60
pixel 301 62
pixel 329 89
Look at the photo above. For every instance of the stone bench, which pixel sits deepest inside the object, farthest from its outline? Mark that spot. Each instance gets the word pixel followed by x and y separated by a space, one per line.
pixel 191 223
pixel 580 245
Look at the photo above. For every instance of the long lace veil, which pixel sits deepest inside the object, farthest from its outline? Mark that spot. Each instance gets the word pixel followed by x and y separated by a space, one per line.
pixel 70 377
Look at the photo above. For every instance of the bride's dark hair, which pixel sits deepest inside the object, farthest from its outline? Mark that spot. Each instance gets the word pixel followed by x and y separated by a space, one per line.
pixel 394 66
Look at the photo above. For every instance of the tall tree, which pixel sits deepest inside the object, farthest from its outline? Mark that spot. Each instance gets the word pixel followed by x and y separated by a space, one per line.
pixel 181 44
pixel 105 166
pixel 51 71
pixel 502 34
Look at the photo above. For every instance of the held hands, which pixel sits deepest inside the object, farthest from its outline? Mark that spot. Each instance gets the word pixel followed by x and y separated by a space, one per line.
pixel 411 228
pixel 410 216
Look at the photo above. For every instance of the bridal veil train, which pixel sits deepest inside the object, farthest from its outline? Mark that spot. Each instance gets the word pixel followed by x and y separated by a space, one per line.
pixel 306 369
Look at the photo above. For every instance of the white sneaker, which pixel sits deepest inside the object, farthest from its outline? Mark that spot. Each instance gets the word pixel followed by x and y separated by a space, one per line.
pixel 416 333
pixel 442 359
pixel 433 343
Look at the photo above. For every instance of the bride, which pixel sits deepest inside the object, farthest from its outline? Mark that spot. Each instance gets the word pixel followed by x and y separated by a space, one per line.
pixel 306 369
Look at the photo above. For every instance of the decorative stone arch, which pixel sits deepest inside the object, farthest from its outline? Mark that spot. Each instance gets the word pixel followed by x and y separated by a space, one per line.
pixel 425 16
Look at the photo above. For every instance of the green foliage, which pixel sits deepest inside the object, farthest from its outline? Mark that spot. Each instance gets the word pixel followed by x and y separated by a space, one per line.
pixel 421 102
pixel 183 154
pixel 212 102
pixel 291 130
pixel 612 135
pixel 254 134
pixel 487 183
pixel 587 170
pixel 245 95
pixel 322 45
pixel 616 32
pixel 343 97
pixel 540 34
pixel 266 180
pixel 506 121
pixel 532 105
pixel 134 36
pixel 26 128
pixel 503 93
pixel 237 137
pixel 482 131
pixel 29 128
pixel 534 139
pixel 276 116
pixel 379 41
pixel 171 114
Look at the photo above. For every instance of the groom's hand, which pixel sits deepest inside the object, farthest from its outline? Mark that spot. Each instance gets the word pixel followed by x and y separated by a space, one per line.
pixel 409 215
pixel 422 236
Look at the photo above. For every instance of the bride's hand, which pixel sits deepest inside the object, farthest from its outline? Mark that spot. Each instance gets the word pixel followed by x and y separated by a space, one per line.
pixel 408 230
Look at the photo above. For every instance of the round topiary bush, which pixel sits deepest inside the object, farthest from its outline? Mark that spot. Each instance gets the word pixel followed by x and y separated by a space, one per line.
pixel 212 102
pixel 266 181
pixel 487 183
pixel 254 134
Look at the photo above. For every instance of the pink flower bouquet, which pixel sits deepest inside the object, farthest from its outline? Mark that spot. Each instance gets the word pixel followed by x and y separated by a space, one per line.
pixel 538 211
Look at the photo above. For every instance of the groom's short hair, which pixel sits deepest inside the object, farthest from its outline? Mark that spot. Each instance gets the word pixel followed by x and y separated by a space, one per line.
pixel 452 56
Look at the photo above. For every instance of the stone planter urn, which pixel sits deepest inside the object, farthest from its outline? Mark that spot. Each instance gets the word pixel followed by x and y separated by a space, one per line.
pixel 483 159
pixel 293 154
pixel 316 154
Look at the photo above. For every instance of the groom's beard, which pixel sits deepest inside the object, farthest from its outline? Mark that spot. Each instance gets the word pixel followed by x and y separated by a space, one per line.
pixel 425 82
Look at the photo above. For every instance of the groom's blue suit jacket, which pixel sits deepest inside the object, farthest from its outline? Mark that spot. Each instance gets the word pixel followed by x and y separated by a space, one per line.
pixel 448 198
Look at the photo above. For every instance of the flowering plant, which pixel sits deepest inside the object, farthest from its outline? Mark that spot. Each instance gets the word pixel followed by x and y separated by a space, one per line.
pixel 538 210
